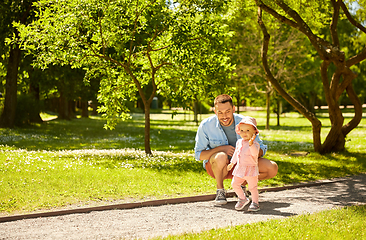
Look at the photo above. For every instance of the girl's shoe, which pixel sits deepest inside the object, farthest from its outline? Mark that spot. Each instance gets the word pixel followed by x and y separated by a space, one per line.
pixel 254 207
pixel 241 204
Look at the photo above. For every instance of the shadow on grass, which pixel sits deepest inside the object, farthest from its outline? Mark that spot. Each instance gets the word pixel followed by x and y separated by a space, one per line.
pixel 90 134
pixel 329 166
pixel 171 135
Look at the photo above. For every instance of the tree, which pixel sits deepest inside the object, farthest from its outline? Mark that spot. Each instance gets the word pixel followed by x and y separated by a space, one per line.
pixel 336 67
pixel 287 54
pixel 12 11
pixel 127 44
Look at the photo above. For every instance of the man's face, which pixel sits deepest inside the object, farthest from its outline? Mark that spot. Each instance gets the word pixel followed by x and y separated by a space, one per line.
pixel 224 112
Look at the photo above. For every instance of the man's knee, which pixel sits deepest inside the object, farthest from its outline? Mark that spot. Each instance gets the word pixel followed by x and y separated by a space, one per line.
pixel 268 169
pixel 219 159
pixel 273 170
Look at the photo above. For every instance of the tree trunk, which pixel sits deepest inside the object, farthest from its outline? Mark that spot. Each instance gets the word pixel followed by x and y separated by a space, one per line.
pixel 63 108
pixel 71 112
pixel 279 110
pixel 84 109
pixel 238 98
pixel 147 129
pixel 341 79
pixel 268 108
pixel 94 107
pixel 358 111
pixel 195 112
pixel 7 118
pixel 34 116
pixel 316 124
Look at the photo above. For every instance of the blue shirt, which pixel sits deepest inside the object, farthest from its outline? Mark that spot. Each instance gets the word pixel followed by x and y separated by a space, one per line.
pixel 210 135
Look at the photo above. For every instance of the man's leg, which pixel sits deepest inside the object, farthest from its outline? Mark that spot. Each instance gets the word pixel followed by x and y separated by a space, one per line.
pixel 219 162
pixel 267 169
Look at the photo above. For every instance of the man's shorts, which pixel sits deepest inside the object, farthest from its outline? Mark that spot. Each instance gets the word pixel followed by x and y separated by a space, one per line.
pixel 210 172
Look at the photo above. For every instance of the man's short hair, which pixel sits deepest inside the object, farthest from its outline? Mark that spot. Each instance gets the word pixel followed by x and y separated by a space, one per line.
pixel 224 98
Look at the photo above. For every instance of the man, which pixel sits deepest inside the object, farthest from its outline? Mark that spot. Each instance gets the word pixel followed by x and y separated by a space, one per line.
pixel 215 144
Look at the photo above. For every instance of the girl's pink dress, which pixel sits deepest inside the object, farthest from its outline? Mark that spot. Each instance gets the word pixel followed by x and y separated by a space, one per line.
pixel 246 159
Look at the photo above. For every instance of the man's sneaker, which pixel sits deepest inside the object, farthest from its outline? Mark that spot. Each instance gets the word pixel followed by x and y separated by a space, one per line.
pixel 241 204
pixel 220 197
pixel 253 207
pixel 246 192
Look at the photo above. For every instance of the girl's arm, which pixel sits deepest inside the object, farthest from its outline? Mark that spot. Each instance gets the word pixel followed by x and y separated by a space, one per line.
pixel 254 149
pixel 254 146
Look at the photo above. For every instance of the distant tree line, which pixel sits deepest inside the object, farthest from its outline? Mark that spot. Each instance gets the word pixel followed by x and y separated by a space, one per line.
pixel 117 56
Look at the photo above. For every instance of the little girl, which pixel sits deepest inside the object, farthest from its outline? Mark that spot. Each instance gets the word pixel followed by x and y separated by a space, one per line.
pixel 246 159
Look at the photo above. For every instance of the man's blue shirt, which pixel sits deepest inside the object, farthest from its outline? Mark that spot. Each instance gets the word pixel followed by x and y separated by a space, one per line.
pixel 210 135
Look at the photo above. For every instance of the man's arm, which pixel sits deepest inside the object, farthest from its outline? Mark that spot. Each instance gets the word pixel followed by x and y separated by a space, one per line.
pixel 263 148
pixel 206 154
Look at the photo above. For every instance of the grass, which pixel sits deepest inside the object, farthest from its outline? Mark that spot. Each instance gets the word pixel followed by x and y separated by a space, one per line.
pixel 336 224
pixel 70 162
pixel 61 163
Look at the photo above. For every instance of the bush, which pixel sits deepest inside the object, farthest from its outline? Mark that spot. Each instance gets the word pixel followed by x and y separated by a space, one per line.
pixel 28 109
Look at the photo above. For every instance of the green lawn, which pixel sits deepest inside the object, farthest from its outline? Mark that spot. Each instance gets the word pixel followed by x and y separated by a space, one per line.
pixel 59 163
pixel 66 162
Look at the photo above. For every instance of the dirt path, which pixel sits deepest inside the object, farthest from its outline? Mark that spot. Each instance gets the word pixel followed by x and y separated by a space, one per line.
pixel 147 222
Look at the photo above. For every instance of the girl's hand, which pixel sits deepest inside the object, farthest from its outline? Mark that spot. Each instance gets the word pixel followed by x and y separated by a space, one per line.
pixel 230 166
pixel 252 140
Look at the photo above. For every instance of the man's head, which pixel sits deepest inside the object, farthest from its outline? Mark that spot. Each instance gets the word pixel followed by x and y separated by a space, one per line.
pixel 224 109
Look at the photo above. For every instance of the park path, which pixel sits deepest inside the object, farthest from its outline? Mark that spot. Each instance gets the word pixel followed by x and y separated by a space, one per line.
pixel 147 222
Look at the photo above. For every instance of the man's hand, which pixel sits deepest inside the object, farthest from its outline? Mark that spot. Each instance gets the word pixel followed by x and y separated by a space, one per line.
pixel 252 140
pixel 229 150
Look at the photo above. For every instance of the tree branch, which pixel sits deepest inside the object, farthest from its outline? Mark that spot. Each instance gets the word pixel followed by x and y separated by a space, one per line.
pixel 357 58
pixel 350 18
pixel 334 23
pixel 358 111
pixel 316 41
pixel 135 27
pixel 309 115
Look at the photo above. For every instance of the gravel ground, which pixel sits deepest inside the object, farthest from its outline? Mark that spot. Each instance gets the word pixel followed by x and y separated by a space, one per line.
pixel 148 222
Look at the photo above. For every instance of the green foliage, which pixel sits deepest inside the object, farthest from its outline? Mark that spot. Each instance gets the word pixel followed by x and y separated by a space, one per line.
pixel 11 10
pixel 317 14
pixel 129 45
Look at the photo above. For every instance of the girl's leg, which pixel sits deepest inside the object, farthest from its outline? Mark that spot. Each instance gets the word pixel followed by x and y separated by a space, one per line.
pixel 253 187
pixel 236 183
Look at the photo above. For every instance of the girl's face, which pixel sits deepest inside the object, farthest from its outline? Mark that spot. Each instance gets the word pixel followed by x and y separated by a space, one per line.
pixel 246 131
